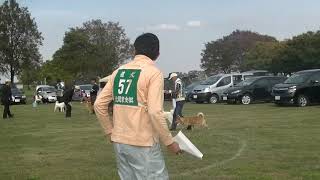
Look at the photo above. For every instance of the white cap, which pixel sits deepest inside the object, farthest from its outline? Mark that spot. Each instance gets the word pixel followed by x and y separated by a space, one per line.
pixel 173 75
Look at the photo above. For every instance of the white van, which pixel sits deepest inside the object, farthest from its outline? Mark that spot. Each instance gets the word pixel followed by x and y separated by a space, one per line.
pixel 211 90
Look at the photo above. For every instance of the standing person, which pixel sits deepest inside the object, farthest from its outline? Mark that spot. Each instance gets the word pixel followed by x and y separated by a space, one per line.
pixel 178 98
pixel 136 90
pixel 93 93
pixel 6 96
pixel 67 98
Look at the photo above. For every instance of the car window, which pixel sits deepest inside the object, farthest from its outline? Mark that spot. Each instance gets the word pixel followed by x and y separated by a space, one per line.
pixel 262 83
pixel 298 78
pixel 237 79
pixel 86 87
pixel 316 77
pixel 247 77
pixel 15 91
pixel 211 80
pixel 51 89
pixel 225 81
pixel 274 81
pixel 246 82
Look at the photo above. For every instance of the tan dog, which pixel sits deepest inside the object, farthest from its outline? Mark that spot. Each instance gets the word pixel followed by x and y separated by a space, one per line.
pixel 198 120
pixel 89 106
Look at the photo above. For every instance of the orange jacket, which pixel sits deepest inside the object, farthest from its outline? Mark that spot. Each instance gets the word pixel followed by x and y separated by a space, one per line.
pixel 142 124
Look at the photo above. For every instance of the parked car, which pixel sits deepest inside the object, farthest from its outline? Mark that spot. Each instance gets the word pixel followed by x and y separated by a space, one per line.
pixel 47 93
pixel 211 90
pixel 255 73
pixel 86 88
pixel 302 88
pixel 81 92
pixel 252 89
pixel 18 96
pixel 189 89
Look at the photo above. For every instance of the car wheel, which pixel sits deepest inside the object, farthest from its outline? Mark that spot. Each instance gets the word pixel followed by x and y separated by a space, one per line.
pixel 302 101
pixel 213 99
pixel 246 99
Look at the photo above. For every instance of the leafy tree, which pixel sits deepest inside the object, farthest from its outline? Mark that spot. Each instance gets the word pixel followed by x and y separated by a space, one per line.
pixel 30 74
pixel 95 49
pixel 19 39
pixel 227 54
pixel 301 52
pixel 51 71
pixel 263 55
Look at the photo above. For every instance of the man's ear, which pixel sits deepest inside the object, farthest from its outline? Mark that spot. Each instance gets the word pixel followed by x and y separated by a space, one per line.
pixel 157 56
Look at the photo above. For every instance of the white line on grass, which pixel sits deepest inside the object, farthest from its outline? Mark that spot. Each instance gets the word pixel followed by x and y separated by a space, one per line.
pixel 217 164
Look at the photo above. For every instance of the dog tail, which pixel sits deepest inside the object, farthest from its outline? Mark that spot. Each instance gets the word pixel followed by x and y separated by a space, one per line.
pixel 201 115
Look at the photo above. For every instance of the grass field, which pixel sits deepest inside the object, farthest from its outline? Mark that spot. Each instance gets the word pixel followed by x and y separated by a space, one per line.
pixel 259 141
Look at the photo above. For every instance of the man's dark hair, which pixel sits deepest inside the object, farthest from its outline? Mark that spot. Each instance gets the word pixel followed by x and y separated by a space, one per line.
pixel 94 79
pixel 147 44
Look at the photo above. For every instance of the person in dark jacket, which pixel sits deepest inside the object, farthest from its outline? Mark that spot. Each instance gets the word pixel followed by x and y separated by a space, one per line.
pixel 94 92
pixel 6 99
pixel 67 98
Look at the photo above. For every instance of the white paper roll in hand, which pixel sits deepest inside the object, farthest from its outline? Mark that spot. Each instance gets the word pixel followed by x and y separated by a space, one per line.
pixel 186 145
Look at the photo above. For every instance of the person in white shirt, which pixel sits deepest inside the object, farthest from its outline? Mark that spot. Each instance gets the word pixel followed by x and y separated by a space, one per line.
pixel 178 99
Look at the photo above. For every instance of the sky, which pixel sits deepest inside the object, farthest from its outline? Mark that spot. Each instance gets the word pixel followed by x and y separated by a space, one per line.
pixel 183 26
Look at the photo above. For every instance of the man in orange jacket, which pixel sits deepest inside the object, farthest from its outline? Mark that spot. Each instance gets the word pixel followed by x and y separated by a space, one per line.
pixel 138 126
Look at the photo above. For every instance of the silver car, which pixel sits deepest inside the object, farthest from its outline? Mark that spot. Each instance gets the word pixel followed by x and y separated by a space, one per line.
pixel 47 93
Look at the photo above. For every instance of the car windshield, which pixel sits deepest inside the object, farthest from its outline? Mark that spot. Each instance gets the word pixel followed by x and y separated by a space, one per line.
pixel 211 80
pixel 191 86
pixel 15 91
pixel 246 82
pixel 86 87
pixel 297 78
pixel 51 89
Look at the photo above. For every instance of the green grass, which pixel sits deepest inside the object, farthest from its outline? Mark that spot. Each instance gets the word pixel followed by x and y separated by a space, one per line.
pixel 259 142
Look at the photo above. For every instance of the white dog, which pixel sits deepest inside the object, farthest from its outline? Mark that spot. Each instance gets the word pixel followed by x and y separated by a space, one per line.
pixel 60 106
pixel 169 116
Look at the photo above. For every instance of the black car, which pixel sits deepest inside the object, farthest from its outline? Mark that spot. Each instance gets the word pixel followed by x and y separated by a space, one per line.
pixel 17 96
pixel 253 89
pixel 301 89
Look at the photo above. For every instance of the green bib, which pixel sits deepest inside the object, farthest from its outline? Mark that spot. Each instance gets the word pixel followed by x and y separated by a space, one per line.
pixel 125 87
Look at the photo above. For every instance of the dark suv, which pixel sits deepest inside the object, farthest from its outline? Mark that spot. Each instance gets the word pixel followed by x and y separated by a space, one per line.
pixel 302 88
pixel 253 89
pixel 18 96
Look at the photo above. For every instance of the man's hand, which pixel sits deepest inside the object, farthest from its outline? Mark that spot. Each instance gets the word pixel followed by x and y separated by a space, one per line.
pixel 108 136
pixel 174 148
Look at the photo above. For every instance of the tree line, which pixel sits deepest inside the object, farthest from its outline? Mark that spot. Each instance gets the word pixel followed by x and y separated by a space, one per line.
pixel 246 50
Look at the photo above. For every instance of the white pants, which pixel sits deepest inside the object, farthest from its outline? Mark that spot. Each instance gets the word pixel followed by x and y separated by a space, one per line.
pixel 174 103
pixel 140 163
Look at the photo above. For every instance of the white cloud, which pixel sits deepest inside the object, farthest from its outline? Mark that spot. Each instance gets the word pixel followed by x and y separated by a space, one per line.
pixel 161 27
pixel 193 23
